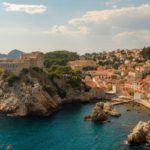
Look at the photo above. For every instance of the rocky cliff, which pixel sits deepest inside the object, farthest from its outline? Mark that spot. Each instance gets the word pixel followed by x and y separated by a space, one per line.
pixel 35 93
pixel 25 96
pixel 140 134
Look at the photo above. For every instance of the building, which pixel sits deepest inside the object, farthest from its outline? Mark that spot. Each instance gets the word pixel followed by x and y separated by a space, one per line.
pixel 82 64
pixel 142 89
pixel 104 74
pixel 30 60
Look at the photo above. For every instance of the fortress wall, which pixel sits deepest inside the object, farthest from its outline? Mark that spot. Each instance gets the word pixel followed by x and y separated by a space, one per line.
pixel 30 60
pixel 12 67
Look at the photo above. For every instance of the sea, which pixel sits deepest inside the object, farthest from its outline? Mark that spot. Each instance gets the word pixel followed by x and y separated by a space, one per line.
pixel 67 130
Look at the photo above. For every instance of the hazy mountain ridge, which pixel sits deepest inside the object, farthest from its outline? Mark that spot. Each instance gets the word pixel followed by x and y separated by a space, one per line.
pixel 12 54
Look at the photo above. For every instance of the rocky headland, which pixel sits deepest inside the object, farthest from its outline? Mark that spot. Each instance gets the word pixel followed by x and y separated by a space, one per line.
pixel 34 92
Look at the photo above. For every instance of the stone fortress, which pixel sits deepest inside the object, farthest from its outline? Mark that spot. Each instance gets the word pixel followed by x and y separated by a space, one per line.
pixel 26 61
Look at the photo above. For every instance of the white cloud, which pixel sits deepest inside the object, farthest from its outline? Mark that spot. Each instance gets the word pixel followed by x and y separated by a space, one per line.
pixel 29 9
pixel 114 6
pixel 63 30
pixel 123 17
pixel 111 26
pixel 132 37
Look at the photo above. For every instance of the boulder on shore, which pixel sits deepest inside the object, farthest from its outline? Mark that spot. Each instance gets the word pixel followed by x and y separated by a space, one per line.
pixel 98 114
pixel 140 134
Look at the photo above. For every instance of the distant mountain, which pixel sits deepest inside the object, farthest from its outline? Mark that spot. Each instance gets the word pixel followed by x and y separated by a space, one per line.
pixel 2 55
pixel 12 54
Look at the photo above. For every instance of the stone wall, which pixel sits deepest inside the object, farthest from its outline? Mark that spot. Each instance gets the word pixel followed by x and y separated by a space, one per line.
pixel 30 60
pixel 15 67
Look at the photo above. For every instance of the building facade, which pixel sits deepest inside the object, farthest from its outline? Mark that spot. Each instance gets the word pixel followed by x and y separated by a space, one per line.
pixel 82 64
pixel 26 61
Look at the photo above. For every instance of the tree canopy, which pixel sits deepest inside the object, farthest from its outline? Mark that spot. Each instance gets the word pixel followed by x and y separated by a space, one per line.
pixel 58 70
pixel 72 77
pixel 59 58
pixel 146 53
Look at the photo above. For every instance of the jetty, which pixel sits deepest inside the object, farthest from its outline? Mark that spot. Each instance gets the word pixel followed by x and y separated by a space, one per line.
pixel 121 100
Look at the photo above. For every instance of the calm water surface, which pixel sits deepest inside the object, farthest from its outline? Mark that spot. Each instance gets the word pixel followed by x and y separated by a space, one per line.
pixel 66 130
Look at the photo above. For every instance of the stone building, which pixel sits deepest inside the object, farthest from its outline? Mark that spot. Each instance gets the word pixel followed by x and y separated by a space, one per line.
pixel 82 64
pixel 27 60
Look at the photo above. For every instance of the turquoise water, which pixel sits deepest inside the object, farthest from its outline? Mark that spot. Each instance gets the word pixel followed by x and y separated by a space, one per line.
pixel 66 130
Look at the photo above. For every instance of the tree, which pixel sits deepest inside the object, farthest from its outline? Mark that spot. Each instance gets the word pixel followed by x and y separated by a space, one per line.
pixel 59 58
pixel 58 70
pixel 72 77
pixel 66 71
pixel 146 53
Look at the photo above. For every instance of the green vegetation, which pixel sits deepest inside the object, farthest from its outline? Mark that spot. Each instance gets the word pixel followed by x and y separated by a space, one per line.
pixel 10 78
pixel 146 53
pixel 1 71
pixel 39 70
pixel 72 77
pixel 88 68
pixel 59 58
pixel 58 71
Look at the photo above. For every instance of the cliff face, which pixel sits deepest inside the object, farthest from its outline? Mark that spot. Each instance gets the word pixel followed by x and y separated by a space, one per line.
pixel 33 93
pixel 24 99
pixel 73 94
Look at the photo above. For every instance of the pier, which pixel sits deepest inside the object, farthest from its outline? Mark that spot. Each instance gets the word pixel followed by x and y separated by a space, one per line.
pixel 121 100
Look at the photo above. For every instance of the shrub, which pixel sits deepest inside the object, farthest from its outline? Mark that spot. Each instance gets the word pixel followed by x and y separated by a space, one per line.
pixel 75 82
pixel 59 58
pixel 11 78
pixel 59 71
pixel 146 53
pixel 39 70
pixel 72 77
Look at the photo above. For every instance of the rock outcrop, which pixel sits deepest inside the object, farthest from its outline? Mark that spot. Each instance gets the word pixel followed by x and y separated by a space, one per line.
pixel 102 111
pixel 24 99
pixel 140 134
pixel 33 92
pixel 110 110
pixel 74 95
pixel 25 95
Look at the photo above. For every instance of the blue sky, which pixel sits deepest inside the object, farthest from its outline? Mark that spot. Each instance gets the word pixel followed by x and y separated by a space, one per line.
pixel 76 25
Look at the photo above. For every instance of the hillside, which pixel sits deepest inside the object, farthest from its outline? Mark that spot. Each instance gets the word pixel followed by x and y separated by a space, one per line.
pixel 35 92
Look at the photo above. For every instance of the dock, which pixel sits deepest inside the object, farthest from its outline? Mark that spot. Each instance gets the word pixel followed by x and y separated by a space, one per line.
pixel 121 100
